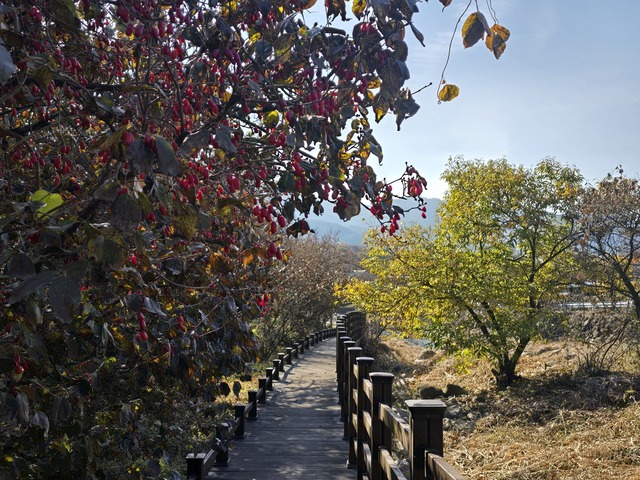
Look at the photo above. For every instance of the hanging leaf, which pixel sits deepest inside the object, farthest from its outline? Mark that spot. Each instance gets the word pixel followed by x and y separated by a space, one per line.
pixel 64 293
pixel 167 161
pixel 418 34
pixel 448 92
pixel 31 285
pixel 223 137
pixel 405 106
pixel 271 119
pixel 64 12
pixel 21 266
pixel 41 420
pixel 381 8
pixel 358 7
pixel 194 143
pixel 335 8
pixel 126 212
pixel 497 41
pixel 60 410
pixel 474 28
pixel 7 67
pixel 283 46
pixel 140 156
pixel 445 3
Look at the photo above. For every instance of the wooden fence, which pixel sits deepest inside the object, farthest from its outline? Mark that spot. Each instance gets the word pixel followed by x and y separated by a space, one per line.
pixel 199 464
pixel 371 424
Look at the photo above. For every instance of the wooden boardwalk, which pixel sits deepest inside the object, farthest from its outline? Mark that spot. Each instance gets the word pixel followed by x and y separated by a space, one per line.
pixel 298 434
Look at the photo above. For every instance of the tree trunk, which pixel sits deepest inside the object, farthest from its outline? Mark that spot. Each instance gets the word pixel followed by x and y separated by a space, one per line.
pixel 505 375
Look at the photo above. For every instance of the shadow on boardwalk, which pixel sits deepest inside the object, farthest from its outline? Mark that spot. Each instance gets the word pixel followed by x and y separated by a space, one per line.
pixel 298 434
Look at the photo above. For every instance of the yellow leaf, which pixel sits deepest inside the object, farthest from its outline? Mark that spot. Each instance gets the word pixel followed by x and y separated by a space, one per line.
pixel 474 28
pixel 271 119
pixel 448 92
pixel 358 7
pixel 497 41
pixel 50 201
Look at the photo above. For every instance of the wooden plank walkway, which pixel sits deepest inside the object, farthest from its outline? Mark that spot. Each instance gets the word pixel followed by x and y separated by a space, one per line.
pixel 298 434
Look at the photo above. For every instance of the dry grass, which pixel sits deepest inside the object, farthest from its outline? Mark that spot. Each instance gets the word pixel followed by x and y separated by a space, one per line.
pixel 552 424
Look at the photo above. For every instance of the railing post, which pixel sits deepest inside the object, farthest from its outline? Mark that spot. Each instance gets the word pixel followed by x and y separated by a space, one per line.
pixel 262 386
pixel 289 355
pixel 276 369
pixel 347 344
pixel 425 419
pixel 301 346
pixel 253 398
pixel 339 368
pixel 354 352
pixel 281 356
pixel 269 374
pixel 339 334
pixel 222 433
pixel 380 436
pixel 238 411
pixel 364 367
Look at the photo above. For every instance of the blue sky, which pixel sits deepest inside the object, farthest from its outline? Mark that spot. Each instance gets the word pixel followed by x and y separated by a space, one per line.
pixel 567 86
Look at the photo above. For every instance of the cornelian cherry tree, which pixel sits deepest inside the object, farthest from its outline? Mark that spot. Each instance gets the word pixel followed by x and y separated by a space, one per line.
pixel 154 154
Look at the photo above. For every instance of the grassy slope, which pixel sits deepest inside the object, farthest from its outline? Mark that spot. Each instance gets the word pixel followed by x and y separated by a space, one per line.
pixel 552 424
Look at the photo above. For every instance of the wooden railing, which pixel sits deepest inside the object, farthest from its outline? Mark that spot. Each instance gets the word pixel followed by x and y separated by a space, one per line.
pixel 371 424
pixel 199 464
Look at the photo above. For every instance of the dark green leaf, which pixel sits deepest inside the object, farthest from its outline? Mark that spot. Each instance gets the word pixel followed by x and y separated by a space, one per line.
pixel 153 307
pixel 41 420
pixel 31 285
pixel 64 293
pixel 140 157
pixel 134 301
pixel 64 12
pixel 223 137
pixel 194 143
pixel 108 253
pixel 21 266
pixel 7 67
pixel 405 107
pixel 167 161
pixel 107 191
pixel 418 34
pixel 126 212
pixel 60 410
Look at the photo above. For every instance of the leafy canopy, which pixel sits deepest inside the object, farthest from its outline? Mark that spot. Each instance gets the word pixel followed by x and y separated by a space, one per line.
pixel 485 276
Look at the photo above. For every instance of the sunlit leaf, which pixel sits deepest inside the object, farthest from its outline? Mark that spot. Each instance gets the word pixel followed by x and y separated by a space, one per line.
pixel 448 92
pixel 271 119
pixel 497 41
pixel 474 29
pixel 49 201
pixel 358 7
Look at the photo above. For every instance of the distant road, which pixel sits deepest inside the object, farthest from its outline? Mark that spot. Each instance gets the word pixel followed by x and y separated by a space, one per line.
pixel 588 305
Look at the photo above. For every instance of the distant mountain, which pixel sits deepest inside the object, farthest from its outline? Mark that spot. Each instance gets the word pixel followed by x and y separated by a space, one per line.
pixel 353 231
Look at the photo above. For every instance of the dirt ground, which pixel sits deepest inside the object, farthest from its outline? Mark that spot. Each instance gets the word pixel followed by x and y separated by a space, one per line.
pixel 554 423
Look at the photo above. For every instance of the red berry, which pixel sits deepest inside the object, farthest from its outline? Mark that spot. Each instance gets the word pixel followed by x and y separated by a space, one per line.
pixel 143 336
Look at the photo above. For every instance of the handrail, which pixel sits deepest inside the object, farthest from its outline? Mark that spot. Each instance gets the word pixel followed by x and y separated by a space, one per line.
pixel 199 464
pixel 371 423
